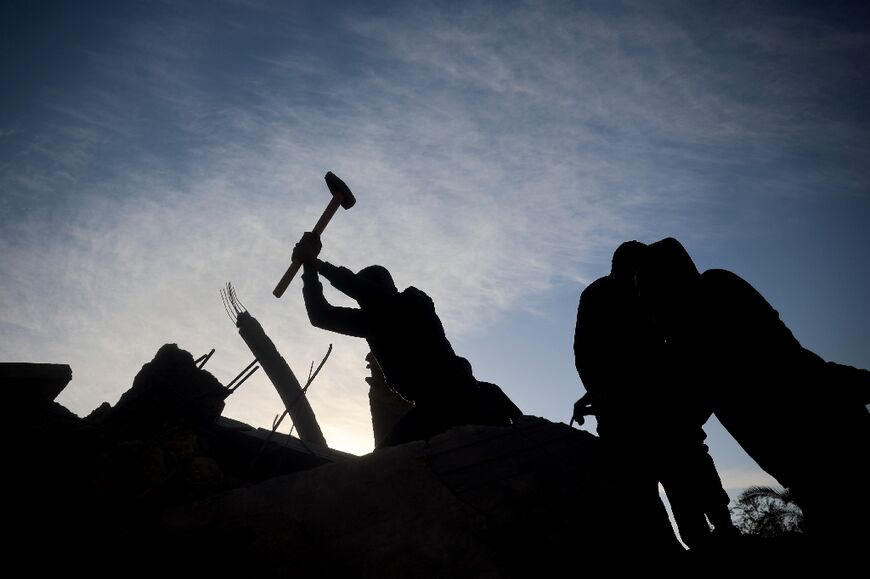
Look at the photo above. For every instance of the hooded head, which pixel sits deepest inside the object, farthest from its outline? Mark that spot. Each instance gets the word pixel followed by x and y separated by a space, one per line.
pixel 626 260
pixel 665 280
pixel 379 276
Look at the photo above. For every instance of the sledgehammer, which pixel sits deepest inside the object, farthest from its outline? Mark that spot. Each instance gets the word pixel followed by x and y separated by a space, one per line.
pixel 342 196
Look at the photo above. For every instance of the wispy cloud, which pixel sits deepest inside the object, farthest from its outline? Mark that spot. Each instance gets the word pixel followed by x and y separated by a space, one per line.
pixel 496 150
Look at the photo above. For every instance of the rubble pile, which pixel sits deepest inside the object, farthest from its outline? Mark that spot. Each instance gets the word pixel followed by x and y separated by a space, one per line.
pixel 162 479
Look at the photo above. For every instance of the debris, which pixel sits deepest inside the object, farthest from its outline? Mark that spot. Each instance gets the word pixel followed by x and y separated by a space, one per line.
pixel 276 368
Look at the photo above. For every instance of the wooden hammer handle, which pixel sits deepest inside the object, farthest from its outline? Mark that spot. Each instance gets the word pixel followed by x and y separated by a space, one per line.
pixel 330 210
pixel 286 279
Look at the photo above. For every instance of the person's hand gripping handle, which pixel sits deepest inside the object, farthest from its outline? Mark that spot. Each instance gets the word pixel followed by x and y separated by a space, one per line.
pixel 341 196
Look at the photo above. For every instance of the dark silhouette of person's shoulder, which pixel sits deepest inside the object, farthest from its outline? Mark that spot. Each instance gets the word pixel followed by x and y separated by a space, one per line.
pixel 416 305
pixel 597 294
pixel 726 287
pixel 723 278
pixel 412 294
pixel 735 303
pixel 599 286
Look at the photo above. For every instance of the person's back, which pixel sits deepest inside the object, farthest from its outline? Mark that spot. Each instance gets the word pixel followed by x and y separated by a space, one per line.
pixel 741 348
pixel 408 340
pixel 801 418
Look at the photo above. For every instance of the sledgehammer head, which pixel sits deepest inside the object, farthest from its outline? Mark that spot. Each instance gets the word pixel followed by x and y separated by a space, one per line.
pixel 341 196
pixel 339 190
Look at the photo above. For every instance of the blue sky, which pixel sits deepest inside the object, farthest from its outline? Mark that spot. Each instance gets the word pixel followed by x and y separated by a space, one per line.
pixel 499 151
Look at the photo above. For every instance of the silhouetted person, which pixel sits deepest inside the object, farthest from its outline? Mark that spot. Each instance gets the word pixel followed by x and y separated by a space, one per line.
pixel 641 400
pixel 802 419
pixel 405 336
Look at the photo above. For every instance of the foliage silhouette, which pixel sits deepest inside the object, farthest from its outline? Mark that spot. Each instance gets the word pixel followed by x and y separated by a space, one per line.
pixel 768 512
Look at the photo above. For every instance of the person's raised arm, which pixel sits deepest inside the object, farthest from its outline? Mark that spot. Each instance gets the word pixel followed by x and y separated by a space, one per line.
pixel 351 284
pixel 341 278
pixel 321 313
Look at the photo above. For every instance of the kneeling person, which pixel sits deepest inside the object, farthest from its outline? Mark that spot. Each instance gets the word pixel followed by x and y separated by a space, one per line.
pixel 406 338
